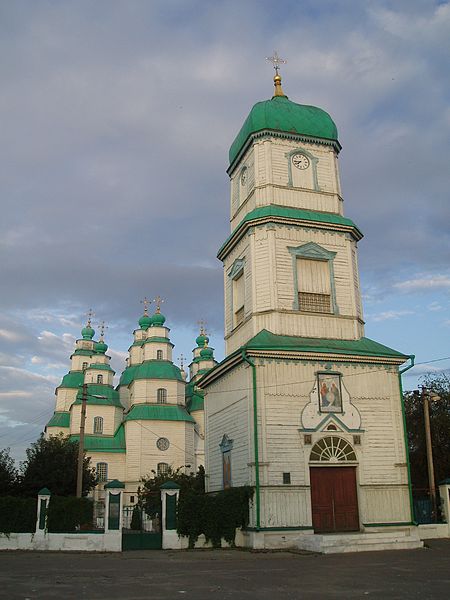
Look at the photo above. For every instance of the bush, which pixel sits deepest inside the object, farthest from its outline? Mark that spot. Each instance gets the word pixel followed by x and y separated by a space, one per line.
pixel 66 514
pixel 17 515
pixel 216 515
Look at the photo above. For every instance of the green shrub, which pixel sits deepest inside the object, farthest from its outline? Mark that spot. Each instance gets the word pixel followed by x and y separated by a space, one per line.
pixel 66 514
pixel 17 515
pixel 217 515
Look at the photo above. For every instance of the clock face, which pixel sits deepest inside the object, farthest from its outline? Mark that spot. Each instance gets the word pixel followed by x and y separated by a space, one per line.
pixel 162 443
pixel 300 161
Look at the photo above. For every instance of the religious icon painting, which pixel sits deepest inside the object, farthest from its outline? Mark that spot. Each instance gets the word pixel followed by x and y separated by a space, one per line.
pixel 330 396
pixel 226 469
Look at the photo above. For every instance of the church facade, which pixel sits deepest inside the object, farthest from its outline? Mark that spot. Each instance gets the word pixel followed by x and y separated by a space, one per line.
pixel 304 407
pixel 151 421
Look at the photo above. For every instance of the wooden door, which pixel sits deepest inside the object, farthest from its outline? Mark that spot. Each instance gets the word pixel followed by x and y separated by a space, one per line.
pixel 334 499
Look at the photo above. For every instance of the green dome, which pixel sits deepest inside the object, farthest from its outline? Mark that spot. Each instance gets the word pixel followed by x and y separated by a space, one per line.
pixel 144 322
pixel 280 114
pixel 158 320
pixel 202 338
pixel 100 347
pixel 206 353
pixel 87 332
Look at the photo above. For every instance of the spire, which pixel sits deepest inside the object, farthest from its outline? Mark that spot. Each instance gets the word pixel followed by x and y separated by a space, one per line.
pixel 145 321
pixel 277 61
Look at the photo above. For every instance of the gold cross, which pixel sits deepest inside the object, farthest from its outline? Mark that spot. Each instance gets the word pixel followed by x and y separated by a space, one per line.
pixel 146 302
pixel 89 315
pixel 158 301
pixel 276 61
pixel 202 324
pixel 102 328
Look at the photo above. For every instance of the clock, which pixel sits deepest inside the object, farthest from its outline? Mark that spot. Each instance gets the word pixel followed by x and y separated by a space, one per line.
pixel 162 443
pixel 300 161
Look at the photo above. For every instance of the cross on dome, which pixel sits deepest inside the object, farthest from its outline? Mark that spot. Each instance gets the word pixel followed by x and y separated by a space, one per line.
pixel 202 324
pixel 158 301
pixel 181 359
pixel 102 328
pixel 146 302
pixel 276 61
pixel 89 315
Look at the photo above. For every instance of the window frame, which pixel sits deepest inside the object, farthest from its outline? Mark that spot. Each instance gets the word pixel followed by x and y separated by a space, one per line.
pixel 97 427
pixel 313 251
pixel 235 273
pixel 99 379
pixel 98 468
pixel 161 396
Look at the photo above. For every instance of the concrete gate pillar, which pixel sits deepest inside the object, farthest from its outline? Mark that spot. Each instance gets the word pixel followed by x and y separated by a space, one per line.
pixel 42 509
pixel 444 492
pixel 170 492
pixel 113 515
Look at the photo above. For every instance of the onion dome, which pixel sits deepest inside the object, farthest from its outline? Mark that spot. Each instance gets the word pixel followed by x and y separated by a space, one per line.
pixel 100 346
pixel 202 338
pixel 282 115
pixel 87 332
pixel 145 321
pixel 207 353
pixel 158 319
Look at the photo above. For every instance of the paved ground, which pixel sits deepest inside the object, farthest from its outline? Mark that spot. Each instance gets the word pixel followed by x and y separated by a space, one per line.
pixel 224 574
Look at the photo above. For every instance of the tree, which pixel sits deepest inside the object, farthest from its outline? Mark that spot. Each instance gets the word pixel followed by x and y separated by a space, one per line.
pixel 8 474
pixel 440 431
pixel 151 495
pixel 52 463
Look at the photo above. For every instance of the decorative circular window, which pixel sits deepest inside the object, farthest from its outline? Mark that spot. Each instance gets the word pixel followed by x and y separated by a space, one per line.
pixel 332 449
pixel 162 443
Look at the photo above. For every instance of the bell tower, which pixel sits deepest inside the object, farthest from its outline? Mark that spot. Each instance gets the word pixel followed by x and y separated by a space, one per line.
pixel 290 262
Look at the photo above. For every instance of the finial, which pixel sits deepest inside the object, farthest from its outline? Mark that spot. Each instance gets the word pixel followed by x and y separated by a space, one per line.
pixel 146 302
pixel 202 324
pixel 181 359
pixel 205 345
pixel 102 328
pixel 277 61
pixel 158 301
pixel 89 315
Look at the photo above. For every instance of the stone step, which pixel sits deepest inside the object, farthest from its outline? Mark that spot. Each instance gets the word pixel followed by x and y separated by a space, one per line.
pixel 359 542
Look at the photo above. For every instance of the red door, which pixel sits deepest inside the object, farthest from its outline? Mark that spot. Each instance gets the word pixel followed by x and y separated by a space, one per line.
pixel 334 499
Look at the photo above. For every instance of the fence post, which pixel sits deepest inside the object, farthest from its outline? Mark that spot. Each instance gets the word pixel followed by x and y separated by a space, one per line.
pixel 444 492
pixel 42 510
pixel 170 492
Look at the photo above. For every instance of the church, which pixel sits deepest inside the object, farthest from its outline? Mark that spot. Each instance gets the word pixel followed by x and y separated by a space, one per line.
pixel 151 421
pixel 304 408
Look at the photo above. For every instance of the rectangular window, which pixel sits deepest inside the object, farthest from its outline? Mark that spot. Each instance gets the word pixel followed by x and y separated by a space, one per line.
pixel 286 478
pixel 102 472
pixel 314 285
pixel 238 299
pixel 98 424
pixel 226 470
pixel 162 468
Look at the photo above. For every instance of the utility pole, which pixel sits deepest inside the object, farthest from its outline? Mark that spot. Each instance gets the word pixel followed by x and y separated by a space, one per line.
pixel 427 396
pixel 81 441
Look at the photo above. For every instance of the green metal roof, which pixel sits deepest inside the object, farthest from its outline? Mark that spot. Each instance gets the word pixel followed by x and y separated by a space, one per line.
pixel 81 352
pixel 104 443
pixel 115 484
pixel 281 114
pixel 196 402
pixel 59 419
pixel 170 485
pixel 265 340
pixel 73 379
pixel 158 339
pixel 112 396
pixel 158 412
pixel 291 214
pixel 99 366
pixel 151 369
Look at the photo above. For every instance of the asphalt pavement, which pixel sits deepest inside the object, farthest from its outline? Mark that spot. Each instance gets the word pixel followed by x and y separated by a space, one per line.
pixel 225 574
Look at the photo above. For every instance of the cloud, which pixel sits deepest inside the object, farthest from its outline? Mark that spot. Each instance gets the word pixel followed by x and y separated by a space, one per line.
pixel 391 314
pixel 424 283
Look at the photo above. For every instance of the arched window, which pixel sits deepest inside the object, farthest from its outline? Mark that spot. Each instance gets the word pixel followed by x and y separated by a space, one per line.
pixel 163 468
pixel 84 366
pixel 332 449
pixel 161 396
pixel 99 378
pixel 98 424
pixel 159 355
pixel 102 472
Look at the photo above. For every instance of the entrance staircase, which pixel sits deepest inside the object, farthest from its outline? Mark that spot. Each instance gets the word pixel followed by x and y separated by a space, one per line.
pixel 334 543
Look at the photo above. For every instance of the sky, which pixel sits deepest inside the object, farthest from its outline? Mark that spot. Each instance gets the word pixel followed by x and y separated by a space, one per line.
pixel 117 117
